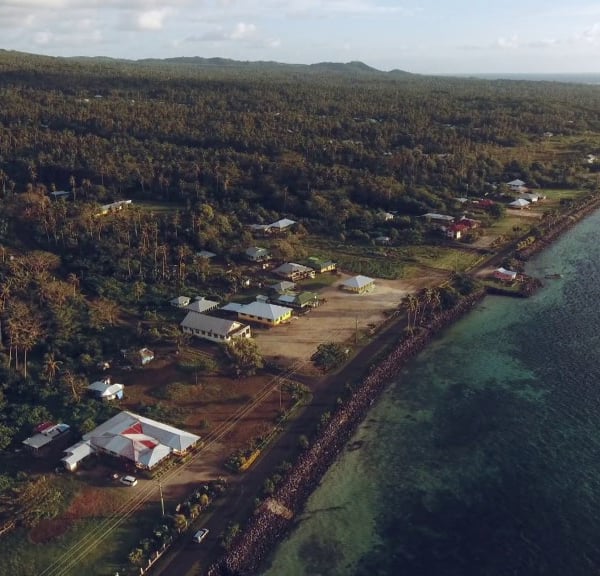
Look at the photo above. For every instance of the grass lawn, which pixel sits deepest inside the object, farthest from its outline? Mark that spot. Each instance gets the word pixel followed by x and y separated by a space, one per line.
pixel 19 557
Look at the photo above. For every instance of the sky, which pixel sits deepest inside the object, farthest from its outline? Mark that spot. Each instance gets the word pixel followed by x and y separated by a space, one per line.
pixel 420 36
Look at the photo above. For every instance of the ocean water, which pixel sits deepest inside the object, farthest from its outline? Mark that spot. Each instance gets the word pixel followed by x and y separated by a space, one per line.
pixel 483 457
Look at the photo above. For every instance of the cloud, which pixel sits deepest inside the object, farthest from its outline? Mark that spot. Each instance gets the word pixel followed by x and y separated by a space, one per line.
pixel 508 43
pixel 241 32
pixel 151 19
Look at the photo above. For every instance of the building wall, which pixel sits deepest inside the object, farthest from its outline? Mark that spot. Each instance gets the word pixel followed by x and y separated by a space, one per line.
pixel 265 321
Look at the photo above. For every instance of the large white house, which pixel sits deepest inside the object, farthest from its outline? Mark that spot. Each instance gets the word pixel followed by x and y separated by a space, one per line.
pixel 214 329
pixel 128 436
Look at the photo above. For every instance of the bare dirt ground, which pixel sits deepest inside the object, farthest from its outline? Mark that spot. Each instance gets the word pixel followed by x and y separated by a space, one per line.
pixel 341 318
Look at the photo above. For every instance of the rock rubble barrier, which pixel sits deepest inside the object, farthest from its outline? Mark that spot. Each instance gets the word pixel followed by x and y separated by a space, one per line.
pixel 275 516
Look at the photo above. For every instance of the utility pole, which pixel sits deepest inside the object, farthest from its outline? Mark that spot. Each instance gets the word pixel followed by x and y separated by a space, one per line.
pixel 162 502
pixel 356 329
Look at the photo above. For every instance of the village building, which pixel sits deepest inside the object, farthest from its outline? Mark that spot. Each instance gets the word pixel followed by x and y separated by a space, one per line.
pixel 281 225
pixel 519 203
pixel 201 304
pixel 456 231
pixel 180 301
pixel 358 284
pixel 214 329
pixel 300 300
pixel 516 185
pixel 133 438
pixel 504 275
pixel 530 197
pixel 105 390
pixel 48 436
pixel 294 272
pixel 319 265
pixel 383 240
pixel 57 194
pixel 283 286
pixel 264 313
pixel 257 254
pixel 206 254
pixel 113 207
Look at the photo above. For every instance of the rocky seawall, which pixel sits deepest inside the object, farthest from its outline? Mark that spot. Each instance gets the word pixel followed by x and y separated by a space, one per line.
pixel 274 518
pixel 561 224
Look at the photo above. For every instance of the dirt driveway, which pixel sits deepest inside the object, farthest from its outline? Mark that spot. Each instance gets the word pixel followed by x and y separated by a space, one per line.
pixel 341 317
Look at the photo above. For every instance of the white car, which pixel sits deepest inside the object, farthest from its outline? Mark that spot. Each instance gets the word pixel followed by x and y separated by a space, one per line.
pixel 128 480
pixel 200 535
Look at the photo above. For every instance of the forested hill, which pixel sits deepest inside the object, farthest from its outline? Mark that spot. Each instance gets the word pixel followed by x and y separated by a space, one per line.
pixel 312 141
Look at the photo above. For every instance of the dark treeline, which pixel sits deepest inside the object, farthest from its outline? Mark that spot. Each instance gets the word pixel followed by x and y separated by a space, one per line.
pixel 313 142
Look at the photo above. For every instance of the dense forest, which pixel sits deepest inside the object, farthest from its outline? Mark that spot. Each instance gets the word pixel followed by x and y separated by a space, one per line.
pixel 206 147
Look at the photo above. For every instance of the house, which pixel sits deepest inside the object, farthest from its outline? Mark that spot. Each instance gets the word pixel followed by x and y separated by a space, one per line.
pixel 262 312
pixel 257 254
pixel 457 230
pixel 321 266
pixel 207 255
pixel 104 390
pixel 300 300
pixel 201 304
pixel 57 194
pixel 383 240
pixel 519 204
pixel 145 356
pixel 358 284
pixel 530 197
pixel 137 439
pixel 48 436
pixel 180 301
pixel 113 207
pixel 505 275
pixel 516 185
pixel 214 329
pixel 294 272
pixel 232 308
pixel 438 221
pixel 280 225
pixel 283 286
pixel 385 216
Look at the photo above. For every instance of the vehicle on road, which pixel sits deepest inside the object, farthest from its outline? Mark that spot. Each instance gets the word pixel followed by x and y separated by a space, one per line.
pixel 128 480
pixel 200 535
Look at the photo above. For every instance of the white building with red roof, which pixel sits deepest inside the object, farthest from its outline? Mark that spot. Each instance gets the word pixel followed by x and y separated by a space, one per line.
pixel 142 441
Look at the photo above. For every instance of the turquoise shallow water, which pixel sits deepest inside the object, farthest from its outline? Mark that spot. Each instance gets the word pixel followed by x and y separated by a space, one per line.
pixel 483 457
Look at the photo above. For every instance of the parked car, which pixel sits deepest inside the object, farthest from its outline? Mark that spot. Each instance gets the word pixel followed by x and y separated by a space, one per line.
pixel 200 535
pixel 128 480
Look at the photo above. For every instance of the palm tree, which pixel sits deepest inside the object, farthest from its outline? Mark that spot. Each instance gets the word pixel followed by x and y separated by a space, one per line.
pixel 50 368
pixel 73 280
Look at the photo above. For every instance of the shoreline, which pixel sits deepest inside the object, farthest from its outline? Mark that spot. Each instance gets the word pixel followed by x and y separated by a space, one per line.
pixel 275 517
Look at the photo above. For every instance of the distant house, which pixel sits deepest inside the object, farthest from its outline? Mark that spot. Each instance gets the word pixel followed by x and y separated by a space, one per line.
pixel 505 275
pixel 105 390
pixel 48 436
pixel 201 304
pixel 180 301
pixel 358 284
pixel 300 300
pixel 145 356
pixel 207 255
pixel 457 230
pixel 321 266
pixel 383 240
pixel 113 207
pixel 57 194
pixel 530 197
pixel 385 216
pixel 281 225
pixel 516 185
pixel 283 286
pixel 214 329
pixel 264 313
pixel 438 218
pixel 257 254
pixel 519 203
pixel 137 439
pixel 294 272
